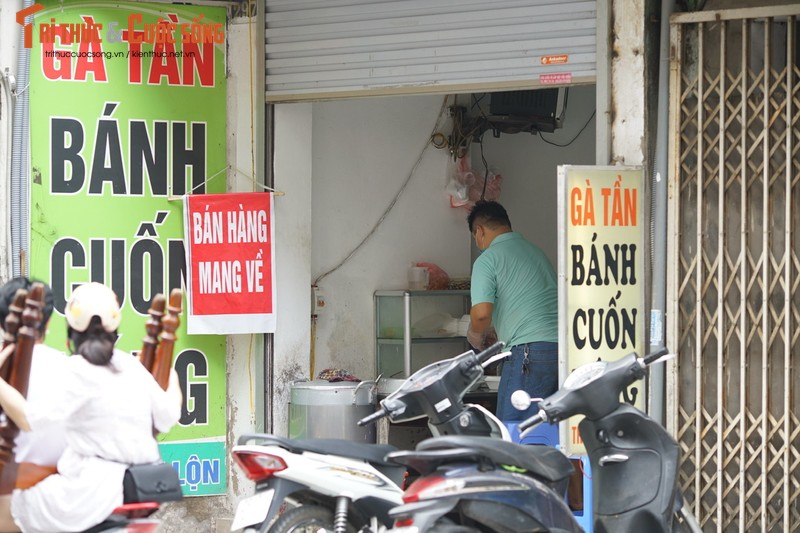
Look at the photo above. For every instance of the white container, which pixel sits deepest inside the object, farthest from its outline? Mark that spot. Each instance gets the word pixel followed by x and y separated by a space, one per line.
pixel 417 278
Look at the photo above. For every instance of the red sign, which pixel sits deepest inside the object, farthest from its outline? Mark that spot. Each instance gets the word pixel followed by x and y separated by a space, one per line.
pixel 559 59
pixel 562 78
pixel 230 271
pixel 27 29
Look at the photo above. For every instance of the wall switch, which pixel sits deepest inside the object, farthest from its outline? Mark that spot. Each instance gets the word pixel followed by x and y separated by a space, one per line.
pixel 317 300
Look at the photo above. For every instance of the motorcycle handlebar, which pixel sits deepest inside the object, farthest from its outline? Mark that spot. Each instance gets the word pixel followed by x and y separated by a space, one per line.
pixel 649 358
pixel 490 351
pixel 535 420
pixel 380 413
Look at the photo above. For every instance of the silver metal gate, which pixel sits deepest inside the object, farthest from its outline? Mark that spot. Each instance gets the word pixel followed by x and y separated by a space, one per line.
pixel 734 284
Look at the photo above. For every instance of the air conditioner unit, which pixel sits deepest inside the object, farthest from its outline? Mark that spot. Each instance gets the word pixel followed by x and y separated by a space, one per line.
pixel 527 111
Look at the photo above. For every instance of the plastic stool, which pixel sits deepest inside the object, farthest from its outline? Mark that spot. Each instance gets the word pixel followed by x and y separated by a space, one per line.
pixel 584 518
pixel 547 435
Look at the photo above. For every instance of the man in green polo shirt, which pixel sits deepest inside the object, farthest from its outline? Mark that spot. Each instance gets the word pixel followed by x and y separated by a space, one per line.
pixel 514 289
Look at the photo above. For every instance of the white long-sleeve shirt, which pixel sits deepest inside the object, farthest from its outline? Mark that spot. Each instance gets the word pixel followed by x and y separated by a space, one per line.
pixel 45 446
pixel 108 413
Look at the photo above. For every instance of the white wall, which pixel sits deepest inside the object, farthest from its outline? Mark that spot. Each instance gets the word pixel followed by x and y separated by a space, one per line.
pixel 363 150
pixel 529 167
pixel 292 167
pixel 244 351
pixel 627 83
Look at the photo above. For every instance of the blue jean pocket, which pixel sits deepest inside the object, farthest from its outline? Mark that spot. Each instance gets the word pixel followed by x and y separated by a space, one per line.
pixel 538 376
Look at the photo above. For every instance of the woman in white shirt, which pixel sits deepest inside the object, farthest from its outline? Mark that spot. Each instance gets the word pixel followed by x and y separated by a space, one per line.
pixel 109 405
pixel 43 448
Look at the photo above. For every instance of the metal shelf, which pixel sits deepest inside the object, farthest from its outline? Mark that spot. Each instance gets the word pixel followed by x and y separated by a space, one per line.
pixel 454 338
pixel 417 294
pixel 395 313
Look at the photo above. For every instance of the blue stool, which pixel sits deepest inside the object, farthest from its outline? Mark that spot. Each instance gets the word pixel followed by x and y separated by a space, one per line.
pixel 547 435
pixel 584 517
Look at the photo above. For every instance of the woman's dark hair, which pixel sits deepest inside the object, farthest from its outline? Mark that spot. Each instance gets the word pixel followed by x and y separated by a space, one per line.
pixel 9 290
pixel 96 345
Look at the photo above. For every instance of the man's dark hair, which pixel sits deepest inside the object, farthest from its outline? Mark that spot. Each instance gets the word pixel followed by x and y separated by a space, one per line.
pixel 9 290
pixel 488 213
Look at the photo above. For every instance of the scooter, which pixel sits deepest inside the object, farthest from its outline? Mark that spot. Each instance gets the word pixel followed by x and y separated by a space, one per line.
pixel 142 497
pixel 130 518
pixel 341 485
pixel 483 485
pixel 329 484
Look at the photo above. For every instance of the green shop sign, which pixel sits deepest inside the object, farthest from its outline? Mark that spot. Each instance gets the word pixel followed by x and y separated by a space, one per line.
pixel 127 115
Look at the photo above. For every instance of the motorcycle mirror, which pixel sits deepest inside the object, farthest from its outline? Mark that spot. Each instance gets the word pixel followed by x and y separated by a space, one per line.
pixel 496 357
pixel 521 400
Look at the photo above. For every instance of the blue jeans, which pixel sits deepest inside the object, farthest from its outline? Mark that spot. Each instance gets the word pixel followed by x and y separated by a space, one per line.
pixel 532 367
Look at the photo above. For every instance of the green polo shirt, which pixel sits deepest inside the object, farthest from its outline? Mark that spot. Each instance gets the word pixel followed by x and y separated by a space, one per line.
pixel 518 279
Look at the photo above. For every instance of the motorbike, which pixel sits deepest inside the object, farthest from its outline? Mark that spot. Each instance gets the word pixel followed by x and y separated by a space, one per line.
pixel 329 484
pixel 479 484
pixel 130 518
pixel 343 486
pixel 144 489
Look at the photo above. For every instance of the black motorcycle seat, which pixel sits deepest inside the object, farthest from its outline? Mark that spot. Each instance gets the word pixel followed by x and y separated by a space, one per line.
pixel 542 461
pixel 374 454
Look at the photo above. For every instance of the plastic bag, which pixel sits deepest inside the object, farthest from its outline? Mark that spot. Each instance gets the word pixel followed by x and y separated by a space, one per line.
pixel 466 186
pixel 438 280
pixel 460 178
pixel 435 325
pixel 336 374
pixel 492 189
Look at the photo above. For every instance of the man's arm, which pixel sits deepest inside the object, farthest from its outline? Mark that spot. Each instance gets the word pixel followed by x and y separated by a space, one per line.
pixel 480 320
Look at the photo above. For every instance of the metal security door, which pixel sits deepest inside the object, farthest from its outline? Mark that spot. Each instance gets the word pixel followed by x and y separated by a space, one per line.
pixel 733 281
pixel 320 49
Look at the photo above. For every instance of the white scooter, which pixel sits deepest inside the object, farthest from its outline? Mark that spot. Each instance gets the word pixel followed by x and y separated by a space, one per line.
pixel 328 483
pixel 343 486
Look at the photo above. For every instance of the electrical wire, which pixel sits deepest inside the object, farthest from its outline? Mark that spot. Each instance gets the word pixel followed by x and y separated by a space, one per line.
pixel 583 470
pixel 574 138
pixel 394 200
pixel 486 171
pixel 253 178
pixel 312 358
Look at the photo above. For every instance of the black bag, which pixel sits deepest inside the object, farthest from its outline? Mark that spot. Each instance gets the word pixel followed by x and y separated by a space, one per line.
pixel 157 482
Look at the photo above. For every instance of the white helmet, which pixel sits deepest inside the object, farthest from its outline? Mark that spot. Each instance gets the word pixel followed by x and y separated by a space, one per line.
pixel 89 300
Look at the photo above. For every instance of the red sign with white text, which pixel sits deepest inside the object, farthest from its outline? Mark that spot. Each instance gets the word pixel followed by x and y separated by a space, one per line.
pixel 559 78
pixel 230 271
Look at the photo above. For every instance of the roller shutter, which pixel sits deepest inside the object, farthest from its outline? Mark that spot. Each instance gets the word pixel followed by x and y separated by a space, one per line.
pixel 318 49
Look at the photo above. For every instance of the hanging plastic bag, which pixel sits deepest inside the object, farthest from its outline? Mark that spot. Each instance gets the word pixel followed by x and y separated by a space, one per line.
pixel 492 191
pixel 459 180
pixel 466 186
